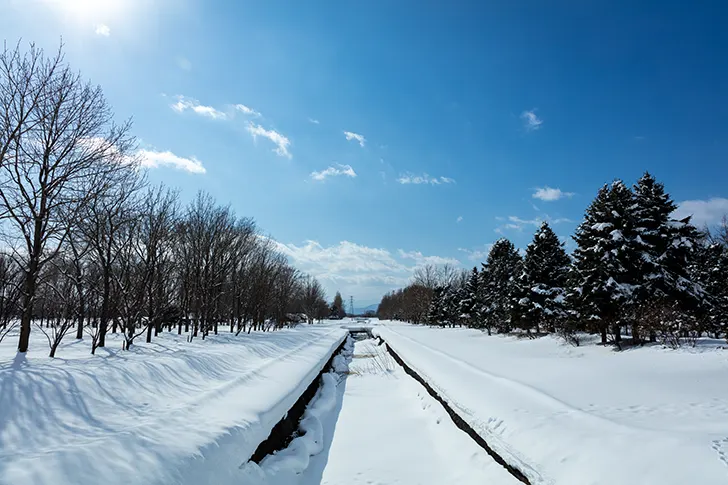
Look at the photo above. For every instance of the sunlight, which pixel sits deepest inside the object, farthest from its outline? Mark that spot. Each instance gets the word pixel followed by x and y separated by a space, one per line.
pixel 90 10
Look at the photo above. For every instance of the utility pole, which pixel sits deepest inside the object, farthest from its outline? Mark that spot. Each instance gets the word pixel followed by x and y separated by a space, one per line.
pixel 351 305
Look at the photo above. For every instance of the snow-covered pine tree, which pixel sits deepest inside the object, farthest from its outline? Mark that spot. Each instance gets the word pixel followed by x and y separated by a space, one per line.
pixel 448 302
pixel 500 291
pixel 666 247
pixel 709 269
pixel 606 259
pixel 545 268
pixel 469 308
pixel 435 313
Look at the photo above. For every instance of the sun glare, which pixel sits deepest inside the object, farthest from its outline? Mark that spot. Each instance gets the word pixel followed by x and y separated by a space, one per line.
pixel 90 10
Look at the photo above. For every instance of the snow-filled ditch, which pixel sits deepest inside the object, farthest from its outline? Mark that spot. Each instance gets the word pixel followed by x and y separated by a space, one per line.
pixel 283 467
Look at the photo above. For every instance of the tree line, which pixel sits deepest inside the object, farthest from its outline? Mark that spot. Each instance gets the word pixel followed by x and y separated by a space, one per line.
pixel 636 272
pixel 88 245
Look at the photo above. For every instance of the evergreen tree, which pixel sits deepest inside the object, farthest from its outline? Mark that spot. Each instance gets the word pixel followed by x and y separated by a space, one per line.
pixel 545 268
pixel 450 306
pixel 606 259
pixel 666 247
pixel 436 312
pixel 469 308
pixel 709 270
pixel 500 286
pixel 337 307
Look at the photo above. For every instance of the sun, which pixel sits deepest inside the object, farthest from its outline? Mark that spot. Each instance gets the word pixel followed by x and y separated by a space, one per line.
pixel 90 10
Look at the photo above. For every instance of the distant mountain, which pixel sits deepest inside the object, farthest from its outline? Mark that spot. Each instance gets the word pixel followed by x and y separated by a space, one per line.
pixel 361 311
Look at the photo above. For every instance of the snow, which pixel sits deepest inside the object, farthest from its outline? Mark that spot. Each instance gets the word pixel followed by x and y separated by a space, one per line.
pixel 389 430
pixel 600 226
pixel 170 412
pixel 581 415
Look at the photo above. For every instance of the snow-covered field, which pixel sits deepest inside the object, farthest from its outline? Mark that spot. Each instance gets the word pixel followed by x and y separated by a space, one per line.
pixel 581 415
pixel 170 412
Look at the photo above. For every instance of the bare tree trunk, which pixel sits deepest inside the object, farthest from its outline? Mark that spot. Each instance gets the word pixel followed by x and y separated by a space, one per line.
pixel 29 287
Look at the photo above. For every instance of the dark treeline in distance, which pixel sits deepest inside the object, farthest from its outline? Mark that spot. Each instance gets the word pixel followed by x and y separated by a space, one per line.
pixel 636 271
pixel 89 247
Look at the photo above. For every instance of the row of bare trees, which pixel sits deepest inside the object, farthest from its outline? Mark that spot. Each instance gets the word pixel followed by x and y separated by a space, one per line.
pixel 412 303
pixel 88 245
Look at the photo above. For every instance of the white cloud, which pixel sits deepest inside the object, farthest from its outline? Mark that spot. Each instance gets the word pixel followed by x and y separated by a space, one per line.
pixel 282 143
pixel 704 212
pixel 345 170
pixel 154 159
pixel 422 260
pixel 409 178
pixel 184 63
pixel 355 136
pixel 549 194
pixel 103 29
pixel 353 269
pixel 183 104
pixel 315 122
pixel 477 254
pixel 459 219
pixel 515 223
pixel 246 110
pixel 530 121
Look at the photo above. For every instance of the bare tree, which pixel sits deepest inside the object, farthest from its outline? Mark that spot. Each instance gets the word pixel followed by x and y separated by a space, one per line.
pixel 60 302
pixel 159 211
pixel 23 78
pixel 312 297
pixel 55 164
pixel 104 223
pixel 10 284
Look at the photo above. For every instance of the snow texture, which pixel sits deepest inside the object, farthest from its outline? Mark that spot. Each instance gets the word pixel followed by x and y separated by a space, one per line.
pixel 388 430
pixel 581 415
pixel 170 412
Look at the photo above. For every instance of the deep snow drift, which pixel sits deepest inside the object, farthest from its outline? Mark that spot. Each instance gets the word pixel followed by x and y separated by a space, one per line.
pixel 581 415
pixel 170 412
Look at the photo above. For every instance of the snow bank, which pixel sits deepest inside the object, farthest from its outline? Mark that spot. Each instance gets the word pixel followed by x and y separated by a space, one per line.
pixel 581 416
pixel 170 412
pixel 283 466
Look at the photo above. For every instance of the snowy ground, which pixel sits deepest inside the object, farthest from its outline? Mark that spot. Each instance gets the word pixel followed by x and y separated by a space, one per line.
pixel 170 412
pixel 383 428
pixel 586 415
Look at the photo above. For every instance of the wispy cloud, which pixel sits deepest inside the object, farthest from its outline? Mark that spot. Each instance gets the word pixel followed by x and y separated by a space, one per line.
pixel 549 194
pixel 355 136
pixel 282 143
pixel 704 212
pixel 530 121
pixel 339 170
pixel 409 178
pixel 421 260
pixel 459 219
pixel 315 122
pixel 477 254
pixel 516 223
pixel 183 104
pixel 155 159
pixel 103 30
pixel 246 110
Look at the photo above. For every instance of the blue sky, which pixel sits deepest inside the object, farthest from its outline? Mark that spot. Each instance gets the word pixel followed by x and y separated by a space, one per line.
pixel 369 138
